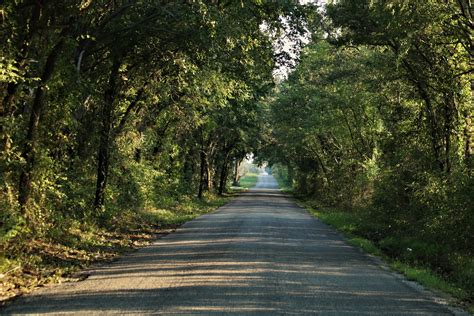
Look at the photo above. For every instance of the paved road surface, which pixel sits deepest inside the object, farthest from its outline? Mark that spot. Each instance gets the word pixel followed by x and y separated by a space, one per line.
pixel 260 254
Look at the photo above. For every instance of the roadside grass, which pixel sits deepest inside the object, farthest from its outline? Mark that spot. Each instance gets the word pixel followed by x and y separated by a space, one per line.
pixel 429 279
pixel 182 211
pixel 348 224
pixel 345 223
pixel 249 180
pixel 28 264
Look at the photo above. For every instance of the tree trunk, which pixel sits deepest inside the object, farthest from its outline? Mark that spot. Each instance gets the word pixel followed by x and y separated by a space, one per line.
pixel 103 152
pixel 189 168
pixel 468 138
pixel 28 153
pixel 208 178
pixel 203 181
pixel 448 127
pixel 235 181
pixel 6 106
pixel 223 175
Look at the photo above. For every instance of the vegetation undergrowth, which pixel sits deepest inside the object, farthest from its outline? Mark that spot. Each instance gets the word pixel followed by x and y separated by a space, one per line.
pixel 354 227
pixel 283 183
pixel 61 254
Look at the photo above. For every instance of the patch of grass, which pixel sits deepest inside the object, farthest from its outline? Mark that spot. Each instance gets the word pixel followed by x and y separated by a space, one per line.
pixel 184 211
pixel 426 277
pixel 248 181
pixel 346 223
pixel 349 224
pixel 366 245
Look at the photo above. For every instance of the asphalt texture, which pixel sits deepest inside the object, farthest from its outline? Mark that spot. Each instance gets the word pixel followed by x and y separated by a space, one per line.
pixel 260 254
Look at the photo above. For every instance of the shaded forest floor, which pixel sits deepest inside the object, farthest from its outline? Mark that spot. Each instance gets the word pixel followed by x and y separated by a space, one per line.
pixel 61 257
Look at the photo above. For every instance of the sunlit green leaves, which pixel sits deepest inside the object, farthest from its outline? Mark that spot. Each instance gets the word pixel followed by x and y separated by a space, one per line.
pixel 9 72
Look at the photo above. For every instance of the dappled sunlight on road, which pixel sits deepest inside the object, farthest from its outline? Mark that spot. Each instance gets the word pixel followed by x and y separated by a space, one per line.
pixel 256 255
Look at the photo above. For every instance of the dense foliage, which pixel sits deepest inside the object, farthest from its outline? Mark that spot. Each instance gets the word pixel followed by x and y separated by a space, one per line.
pixel 110 108
pixel 377 119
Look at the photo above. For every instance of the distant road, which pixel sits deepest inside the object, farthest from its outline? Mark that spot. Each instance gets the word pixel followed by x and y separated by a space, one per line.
pixel 261 254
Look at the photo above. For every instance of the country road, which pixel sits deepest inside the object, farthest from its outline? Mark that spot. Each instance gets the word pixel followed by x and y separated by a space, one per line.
pixel 260 254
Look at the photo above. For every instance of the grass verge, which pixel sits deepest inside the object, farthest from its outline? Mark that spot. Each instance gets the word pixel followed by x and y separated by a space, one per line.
pixel 249 180
pixel 347 223
pixel 28 264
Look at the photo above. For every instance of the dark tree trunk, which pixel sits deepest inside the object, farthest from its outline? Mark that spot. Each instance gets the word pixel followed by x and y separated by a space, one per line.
pixel 6 107
pixel 223 175
pixel 103 158
pixel 433 126
pixel 5 110
pixel 28 153
pixel 413 77
pixel 203 181
pixel 468 138
pixel 208 179
pixel 189 168
pixel 137 155
pixel 448 127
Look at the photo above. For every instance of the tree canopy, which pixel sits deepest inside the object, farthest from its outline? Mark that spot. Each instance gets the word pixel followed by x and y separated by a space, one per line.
pixel 112 108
